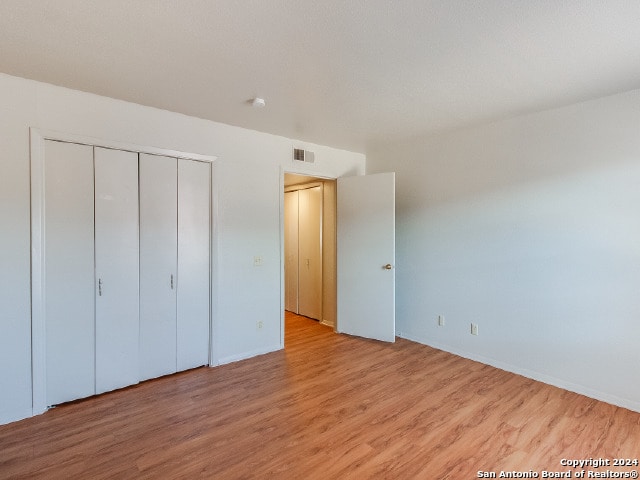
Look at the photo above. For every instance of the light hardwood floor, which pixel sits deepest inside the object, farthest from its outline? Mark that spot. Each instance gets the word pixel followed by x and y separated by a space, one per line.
pixel 329 406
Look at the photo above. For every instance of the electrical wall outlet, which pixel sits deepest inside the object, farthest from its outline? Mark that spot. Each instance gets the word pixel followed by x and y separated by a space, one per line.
pixel 474 329
pixel 259 324
pixel 441 320
pixel 257 261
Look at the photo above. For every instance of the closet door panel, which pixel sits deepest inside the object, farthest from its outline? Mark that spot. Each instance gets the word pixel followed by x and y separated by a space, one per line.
pixel 194 199
pixel 68 271
pixel 158 265
pixel 116 260
pixel 291 251
pixel 310 253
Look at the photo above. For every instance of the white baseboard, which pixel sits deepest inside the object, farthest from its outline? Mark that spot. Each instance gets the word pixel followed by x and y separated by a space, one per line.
pixel 15 415
pixel 541 377
pixel 245 355
pixel 327 323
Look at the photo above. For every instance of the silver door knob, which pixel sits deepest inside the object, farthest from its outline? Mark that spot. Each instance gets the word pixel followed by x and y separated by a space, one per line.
pixel 388 266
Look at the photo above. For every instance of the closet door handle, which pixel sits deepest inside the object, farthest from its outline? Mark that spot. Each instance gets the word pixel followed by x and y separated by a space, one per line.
pixel 172 281
pixel 99 287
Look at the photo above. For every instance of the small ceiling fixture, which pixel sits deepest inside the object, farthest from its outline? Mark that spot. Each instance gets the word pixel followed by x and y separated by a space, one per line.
pixel 258 102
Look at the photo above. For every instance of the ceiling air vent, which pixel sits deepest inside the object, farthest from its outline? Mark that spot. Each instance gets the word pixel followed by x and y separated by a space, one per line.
pixel 303 155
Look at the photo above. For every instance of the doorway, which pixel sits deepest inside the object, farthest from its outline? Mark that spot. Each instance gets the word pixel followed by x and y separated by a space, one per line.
pixel 310 248
pixel 364 232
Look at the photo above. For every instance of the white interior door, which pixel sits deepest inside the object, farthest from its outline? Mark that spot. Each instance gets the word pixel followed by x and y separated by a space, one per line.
pixel 194 199
pixel 68 272
pixel 366 256
pixel 310 252
pixel 291 251
pixel 158 264
pixel 116 264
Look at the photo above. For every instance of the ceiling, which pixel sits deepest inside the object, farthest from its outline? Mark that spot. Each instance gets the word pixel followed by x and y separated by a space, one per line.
pixel 347 73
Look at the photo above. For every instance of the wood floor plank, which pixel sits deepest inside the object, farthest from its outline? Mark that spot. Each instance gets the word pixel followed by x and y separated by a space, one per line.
pixel 328 406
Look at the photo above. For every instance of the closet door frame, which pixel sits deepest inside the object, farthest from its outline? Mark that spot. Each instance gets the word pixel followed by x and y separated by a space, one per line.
pixel 38 137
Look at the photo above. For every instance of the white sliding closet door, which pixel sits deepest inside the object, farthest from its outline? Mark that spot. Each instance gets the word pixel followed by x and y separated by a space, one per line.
pixel 310 253
pixel 291 251
pixel 116 263
pixel 194 199
pixel 68 271
pixel 158 265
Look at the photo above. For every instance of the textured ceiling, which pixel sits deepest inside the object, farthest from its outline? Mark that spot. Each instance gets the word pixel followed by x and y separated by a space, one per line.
pixel 345 73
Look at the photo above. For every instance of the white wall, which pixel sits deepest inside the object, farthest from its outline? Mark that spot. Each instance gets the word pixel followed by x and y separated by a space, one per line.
pixel 529 227
pixel 17 109
pixel 247 183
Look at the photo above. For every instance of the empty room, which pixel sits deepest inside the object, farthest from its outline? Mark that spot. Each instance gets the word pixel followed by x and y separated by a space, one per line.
pixel 325 240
